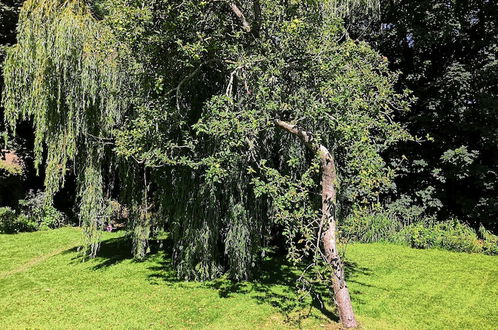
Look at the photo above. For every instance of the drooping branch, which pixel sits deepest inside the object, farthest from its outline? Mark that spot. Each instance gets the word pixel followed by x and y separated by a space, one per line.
pixel 64 74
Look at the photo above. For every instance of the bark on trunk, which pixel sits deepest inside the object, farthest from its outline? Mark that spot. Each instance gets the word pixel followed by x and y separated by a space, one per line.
pixel 240 16
pixel 329 241
pixel 341 292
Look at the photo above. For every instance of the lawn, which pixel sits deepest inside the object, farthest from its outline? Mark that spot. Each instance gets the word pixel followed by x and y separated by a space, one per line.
pixel 43 284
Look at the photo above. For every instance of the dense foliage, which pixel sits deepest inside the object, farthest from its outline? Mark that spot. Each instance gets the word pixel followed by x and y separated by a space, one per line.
pixel 190 143
pixel 446 52
pixel 33 214
pixel 422 233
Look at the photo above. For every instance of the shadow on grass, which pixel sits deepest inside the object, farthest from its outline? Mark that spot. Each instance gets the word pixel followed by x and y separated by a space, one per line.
pixel 111 252
pixel 274 283
pixel 116 250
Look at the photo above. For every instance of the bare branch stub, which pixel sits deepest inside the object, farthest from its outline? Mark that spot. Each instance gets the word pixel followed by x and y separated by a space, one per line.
pixel 240 15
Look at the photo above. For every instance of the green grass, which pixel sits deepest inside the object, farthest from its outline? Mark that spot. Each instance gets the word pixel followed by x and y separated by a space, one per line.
pixel 43 284
pixel 402 288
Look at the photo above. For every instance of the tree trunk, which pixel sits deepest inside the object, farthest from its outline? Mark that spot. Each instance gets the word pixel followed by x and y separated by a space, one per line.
pixel 341 292
pixel 329 177
pixel 240 16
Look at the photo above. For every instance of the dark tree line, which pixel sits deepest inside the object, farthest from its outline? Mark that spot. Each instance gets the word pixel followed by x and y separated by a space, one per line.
pixel 447 54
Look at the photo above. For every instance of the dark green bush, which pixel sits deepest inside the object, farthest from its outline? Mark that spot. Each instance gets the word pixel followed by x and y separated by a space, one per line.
pixel 7 217
pixel 25 224
pixel 44 214
pixel 11 223
pixel 35 214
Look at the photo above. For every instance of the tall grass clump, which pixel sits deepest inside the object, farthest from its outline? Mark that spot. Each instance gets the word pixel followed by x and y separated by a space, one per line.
pixel 422 233
pixel 489 241
pixel 369 227
pixel 451 235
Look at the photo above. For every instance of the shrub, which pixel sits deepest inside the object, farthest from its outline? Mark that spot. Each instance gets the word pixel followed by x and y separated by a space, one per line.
pixel 44 214
pixel 451 235
pixel 10 223
pixel 7 218
pixel 35 214
pixel 24 224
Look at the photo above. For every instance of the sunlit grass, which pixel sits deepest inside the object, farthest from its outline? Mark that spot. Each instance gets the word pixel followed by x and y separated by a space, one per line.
pixel 43 284
pixel 113 290
pixel 423 289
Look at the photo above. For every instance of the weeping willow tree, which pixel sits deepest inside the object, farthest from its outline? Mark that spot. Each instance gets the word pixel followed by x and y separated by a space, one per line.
pixel 195 111
pixel 64 75
pixel 244 77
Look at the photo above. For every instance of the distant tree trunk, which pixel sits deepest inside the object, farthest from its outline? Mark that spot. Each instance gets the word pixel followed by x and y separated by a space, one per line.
pixel 329 240
pixel 240 16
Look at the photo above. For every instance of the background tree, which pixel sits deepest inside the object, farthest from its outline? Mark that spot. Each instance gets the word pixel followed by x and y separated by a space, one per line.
pixel 446 53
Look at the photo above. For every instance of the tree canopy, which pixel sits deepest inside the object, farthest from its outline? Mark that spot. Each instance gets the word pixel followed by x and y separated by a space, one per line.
pixel 446 53
pixel 173 107
pixel 217 121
